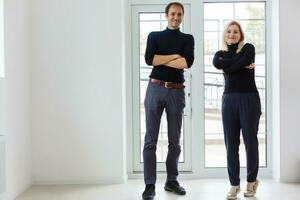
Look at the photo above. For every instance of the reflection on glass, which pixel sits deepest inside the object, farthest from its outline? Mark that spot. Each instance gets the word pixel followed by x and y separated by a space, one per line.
pixel 249 10
pixel 211 41
pixel 218 11
pixel 211 25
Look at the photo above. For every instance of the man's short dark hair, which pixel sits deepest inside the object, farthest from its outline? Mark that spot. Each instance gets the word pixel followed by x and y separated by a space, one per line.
pixel 174 4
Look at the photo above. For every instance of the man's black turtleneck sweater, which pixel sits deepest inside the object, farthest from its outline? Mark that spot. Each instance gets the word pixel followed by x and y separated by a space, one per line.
pixel 237 77
pixel 169 42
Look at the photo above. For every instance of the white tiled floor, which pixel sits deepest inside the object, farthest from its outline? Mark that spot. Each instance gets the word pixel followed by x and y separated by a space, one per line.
pixel 200 189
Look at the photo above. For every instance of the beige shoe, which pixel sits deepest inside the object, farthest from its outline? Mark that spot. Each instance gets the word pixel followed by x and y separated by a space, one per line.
pixel 233 192
pixel 251 189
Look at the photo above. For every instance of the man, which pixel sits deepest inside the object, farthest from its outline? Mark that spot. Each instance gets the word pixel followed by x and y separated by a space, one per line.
pixel 170 52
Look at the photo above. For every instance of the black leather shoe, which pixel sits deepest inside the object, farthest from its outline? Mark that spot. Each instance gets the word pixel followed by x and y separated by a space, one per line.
pixel 149 192
pixel 173 186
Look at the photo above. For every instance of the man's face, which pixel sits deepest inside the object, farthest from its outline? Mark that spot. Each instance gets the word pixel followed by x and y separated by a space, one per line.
pixel 174 17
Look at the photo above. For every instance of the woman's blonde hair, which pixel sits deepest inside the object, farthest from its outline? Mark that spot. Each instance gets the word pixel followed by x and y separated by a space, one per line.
pixel 241 42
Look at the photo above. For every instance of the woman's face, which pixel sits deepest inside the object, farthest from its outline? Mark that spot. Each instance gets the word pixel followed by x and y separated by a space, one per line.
pixel 232 35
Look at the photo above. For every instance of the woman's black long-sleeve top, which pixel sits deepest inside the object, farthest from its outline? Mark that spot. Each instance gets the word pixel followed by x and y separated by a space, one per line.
pixel 237 77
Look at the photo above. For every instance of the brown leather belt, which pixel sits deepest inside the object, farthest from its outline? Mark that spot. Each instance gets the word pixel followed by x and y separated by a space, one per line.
pixel 169 85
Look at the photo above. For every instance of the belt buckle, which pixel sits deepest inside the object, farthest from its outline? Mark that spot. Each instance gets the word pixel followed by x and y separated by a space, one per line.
pixel 166 85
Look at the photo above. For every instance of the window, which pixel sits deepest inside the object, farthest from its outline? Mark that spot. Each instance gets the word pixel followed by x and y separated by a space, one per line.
pixel 202 132
pixel 251 15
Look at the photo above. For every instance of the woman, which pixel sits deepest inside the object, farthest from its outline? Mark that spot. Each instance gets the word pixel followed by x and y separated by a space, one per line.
pixel 241 107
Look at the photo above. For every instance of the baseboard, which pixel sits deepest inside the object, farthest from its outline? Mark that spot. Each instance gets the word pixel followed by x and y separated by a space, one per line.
pixel 14 196
pixel 96 182
pixel 289 180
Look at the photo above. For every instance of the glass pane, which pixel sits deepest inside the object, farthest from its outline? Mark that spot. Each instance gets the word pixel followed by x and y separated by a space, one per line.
pixel 211 25
pixel 251 16
pixel 149 16
pixel 250 10
pixel 208 58
pixel 152 22
pixel 255 33
pixel 218 11
pixel 145 29
pixel 211 43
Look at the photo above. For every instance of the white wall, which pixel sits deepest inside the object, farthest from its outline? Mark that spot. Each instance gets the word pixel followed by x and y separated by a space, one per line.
pixel 1 40
pixel 77 91
pixel 275 108
pixel 16 96
pixel 289 16
pixel 74 90
pixel 2 86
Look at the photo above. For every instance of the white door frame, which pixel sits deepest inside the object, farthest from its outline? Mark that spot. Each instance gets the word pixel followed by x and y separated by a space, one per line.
pixel 194 8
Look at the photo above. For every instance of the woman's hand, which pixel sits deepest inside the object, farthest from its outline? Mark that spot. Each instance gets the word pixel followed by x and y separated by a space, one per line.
pixel 251 66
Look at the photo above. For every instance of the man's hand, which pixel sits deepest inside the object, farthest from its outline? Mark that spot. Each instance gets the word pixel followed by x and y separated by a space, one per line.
pixel 251 66
pixel 179 63
pixel 163 59
pixel 176 56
